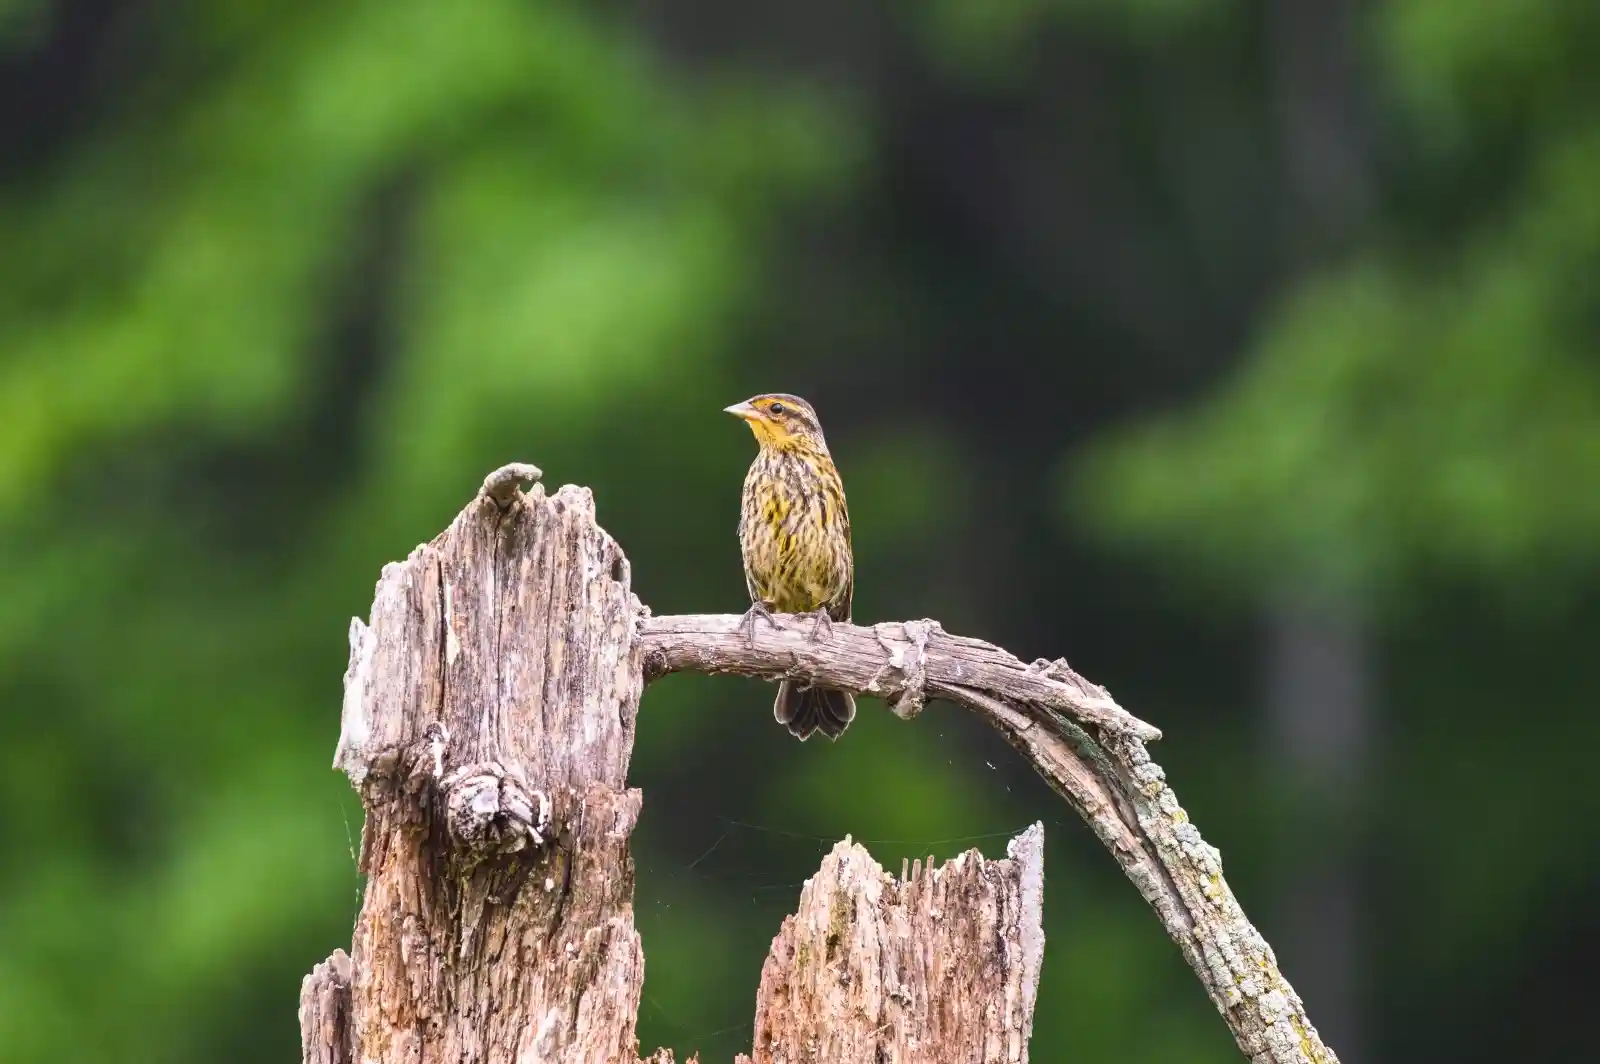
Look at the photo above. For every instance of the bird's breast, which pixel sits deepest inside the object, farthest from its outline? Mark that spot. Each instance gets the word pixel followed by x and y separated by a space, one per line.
pixel 794 534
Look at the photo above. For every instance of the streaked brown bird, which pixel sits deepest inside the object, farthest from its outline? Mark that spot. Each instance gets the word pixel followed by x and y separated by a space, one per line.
pixel 794 532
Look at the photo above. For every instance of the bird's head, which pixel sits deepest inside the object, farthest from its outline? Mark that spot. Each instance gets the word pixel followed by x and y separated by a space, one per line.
pixel 780 421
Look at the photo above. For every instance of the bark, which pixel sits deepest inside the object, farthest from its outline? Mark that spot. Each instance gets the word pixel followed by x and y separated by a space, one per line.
pixel 325 1011
pixel 1076 736
pixel 488 720
pixel 938 967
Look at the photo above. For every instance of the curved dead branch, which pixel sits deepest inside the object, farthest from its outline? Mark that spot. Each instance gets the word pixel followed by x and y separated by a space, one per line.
pixel 1087 747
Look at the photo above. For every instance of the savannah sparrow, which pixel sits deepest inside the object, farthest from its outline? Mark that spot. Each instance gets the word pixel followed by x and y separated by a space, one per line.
pixel 794 532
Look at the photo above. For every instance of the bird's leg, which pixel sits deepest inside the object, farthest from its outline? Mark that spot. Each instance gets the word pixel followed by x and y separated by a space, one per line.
pixel 748 622
pixel 821 625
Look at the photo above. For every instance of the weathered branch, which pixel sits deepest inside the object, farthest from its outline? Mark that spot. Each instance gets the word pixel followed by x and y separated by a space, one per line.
pixel 1076 736
pixel 902 663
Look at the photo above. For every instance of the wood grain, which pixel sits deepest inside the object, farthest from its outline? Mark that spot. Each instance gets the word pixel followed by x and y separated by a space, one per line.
pixel 939 966
pixel 1073 733
pixel 488 721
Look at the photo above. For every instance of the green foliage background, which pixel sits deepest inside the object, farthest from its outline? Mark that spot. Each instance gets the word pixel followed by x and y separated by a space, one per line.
pixel 280 283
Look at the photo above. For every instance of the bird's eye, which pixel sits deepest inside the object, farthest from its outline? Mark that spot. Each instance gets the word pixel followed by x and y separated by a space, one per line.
pixel 777 408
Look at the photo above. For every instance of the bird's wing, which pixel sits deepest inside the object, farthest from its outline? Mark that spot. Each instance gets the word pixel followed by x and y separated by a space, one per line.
pixel 744 525
pixel 841 612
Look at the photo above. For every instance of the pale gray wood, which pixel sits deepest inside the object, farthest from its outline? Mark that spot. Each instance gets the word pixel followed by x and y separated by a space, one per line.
pixel 1074 735
pixel 939 966
pixel 325 1012
pixel 488 721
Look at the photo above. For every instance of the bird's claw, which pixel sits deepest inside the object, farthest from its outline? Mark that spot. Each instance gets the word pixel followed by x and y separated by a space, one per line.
pixel 821 626
pixel 748 622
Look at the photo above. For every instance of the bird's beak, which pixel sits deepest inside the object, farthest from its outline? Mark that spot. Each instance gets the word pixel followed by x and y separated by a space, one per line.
pixel 743 411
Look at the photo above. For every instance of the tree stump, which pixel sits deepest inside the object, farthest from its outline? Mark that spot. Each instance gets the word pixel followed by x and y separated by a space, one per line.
pixel 938 967
pixel 488 721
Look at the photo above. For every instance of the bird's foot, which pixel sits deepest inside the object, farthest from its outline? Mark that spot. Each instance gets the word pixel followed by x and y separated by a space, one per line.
pixel 821 626
pixel 747 624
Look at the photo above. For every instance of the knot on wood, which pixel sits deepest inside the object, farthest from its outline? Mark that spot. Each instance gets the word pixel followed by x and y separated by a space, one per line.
pixel 912 662
pixel 491 810
pixel 501 485
pixel 655 664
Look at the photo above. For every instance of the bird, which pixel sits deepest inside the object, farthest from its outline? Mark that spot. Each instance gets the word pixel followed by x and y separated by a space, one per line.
pixel 794 535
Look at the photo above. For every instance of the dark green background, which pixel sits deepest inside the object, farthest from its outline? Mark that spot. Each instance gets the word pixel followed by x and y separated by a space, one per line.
pixel 1244 353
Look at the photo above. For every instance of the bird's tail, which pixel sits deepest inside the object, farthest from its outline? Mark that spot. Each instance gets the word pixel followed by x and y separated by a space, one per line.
pixel 804 710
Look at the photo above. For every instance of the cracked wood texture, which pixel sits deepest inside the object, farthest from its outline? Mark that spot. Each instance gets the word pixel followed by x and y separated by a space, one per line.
pixel 938 967
pixel 488 720
pixel 1086 747
pixel 325 1011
